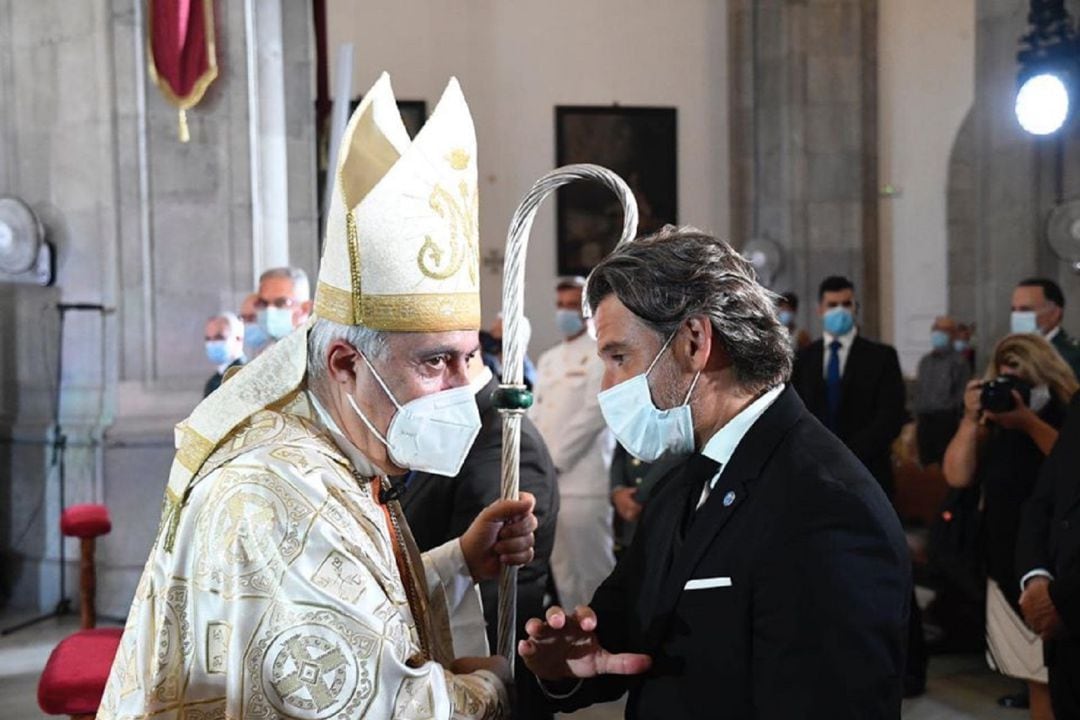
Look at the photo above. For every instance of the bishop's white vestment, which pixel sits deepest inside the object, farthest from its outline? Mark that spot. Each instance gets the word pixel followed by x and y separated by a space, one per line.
pixel 291 591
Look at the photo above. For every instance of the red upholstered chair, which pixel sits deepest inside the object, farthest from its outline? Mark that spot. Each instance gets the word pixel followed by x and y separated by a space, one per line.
pixel 75 675
pixel 86 522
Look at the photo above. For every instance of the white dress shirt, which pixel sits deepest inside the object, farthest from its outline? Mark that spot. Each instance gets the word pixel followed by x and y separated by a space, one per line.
pixel 843 352
pixel 722 445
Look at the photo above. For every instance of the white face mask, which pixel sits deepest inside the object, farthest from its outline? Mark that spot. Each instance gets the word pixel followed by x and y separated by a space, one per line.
pixel 432 433
pixel 1023 322
pixel 643 429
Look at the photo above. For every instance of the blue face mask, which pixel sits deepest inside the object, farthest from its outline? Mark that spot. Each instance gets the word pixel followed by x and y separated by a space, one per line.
pixel 255 339
pixel 277 322
pixel 786 317
pixel 939 340
pixel 644 430
pixel 218 352
pixel 960 345
pixel 570 322
pixel 838 321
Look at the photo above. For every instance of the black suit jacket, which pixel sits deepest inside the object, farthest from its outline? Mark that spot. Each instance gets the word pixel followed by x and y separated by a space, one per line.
pixel 814 622
pixel 1049 536
pixel 217 378
pixel 871 401
pixel 440 508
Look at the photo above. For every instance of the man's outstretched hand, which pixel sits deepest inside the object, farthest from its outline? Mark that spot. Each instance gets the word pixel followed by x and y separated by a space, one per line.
pixel 565 646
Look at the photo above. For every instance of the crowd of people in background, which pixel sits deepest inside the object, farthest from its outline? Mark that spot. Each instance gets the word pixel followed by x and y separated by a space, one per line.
pixel 1000 440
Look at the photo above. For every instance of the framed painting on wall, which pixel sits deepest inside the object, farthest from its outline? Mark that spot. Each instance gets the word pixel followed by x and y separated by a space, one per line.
pixel 413 114
pixel 638 143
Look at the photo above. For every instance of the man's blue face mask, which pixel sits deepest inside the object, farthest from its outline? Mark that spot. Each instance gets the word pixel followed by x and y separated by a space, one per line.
pixel 276 322
pixel 838 321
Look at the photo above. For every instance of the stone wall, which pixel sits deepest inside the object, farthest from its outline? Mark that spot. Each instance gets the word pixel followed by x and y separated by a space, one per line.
pixel 160 232
pixel 803 91
pixel 516 61
pixel 1013 178
pixel 926 73
pixel 962 223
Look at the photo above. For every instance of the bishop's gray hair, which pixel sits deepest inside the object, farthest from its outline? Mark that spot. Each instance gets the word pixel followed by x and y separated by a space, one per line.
pixel 677 273
pixel 372 343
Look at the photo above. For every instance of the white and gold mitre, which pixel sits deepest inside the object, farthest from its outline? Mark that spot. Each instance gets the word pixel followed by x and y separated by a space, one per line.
pixel 401 254
pixel 401 251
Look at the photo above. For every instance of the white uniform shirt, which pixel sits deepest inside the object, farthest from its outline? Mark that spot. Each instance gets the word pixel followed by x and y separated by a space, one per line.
pixel 567 413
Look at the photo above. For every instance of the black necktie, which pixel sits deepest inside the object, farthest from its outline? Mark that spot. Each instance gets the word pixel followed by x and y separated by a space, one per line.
pixel 699 470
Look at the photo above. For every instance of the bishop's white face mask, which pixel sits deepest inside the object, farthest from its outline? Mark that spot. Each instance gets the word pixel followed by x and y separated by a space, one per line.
pixel 643 429
pixel 432 433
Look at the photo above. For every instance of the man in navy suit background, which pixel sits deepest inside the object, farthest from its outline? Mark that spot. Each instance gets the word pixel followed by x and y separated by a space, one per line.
pixel 769 577
pixel 852 384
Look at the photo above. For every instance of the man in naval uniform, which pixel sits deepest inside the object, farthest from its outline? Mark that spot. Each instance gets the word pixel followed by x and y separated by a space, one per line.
pixel 284 581
pixel 568 417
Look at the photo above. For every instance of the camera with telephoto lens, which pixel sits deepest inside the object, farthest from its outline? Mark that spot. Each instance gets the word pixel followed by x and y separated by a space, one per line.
pixel 997 394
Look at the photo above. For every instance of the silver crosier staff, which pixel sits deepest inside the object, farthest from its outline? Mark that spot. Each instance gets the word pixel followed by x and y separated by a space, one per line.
pixel 512 398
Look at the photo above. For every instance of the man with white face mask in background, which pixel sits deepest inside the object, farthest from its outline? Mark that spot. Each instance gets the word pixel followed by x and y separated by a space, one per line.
pixel 568 416
pixel 284 581
pixel 224 337
pixel 1038 306
pixel 769 577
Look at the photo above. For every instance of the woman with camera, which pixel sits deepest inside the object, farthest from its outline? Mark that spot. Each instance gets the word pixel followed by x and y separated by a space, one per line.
pixel 1011 422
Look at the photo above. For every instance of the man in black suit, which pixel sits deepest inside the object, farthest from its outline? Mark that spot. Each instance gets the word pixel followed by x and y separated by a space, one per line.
pixel 1048 557
pixel 769 577
pixel 1038 306
pixel 439 508
pixel 851 384
pixel 224 338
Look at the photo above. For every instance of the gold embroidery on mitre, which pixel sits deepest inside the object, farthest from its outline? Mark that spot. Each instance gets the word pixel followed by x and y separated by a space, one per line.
pixel 458 159
pixel 436 312
pixel 354 266
pixel 333 304
pixel 460 214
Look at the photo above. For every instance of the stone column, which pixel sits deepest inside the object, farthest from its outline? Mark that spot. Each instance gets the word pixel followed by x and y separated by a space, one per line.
pixel 1014 179
pixel 804 78
pixel 266 134
pixel 159 230
pixel 1006 202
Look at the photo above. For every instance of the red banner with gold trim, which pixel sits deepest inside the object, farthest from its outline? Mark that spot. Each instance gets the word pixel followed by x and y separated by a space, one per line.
pixel 183 58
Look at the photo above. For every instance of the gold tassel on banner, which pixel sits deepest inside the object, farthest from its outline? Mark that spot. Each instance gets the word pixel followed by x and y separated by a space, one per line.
pixel 184 134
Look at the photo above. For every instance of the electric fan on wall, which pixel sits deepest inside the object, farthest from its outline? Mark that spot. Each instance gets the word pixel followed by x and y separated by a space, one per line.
pixel 1063 232
pixel 767 257
pixel 25 255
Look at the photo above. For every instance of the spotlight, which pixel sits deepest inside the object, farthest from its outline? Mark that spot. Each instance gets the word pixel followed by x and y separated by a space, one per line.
pixel 1048 69
pixel 1042 103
